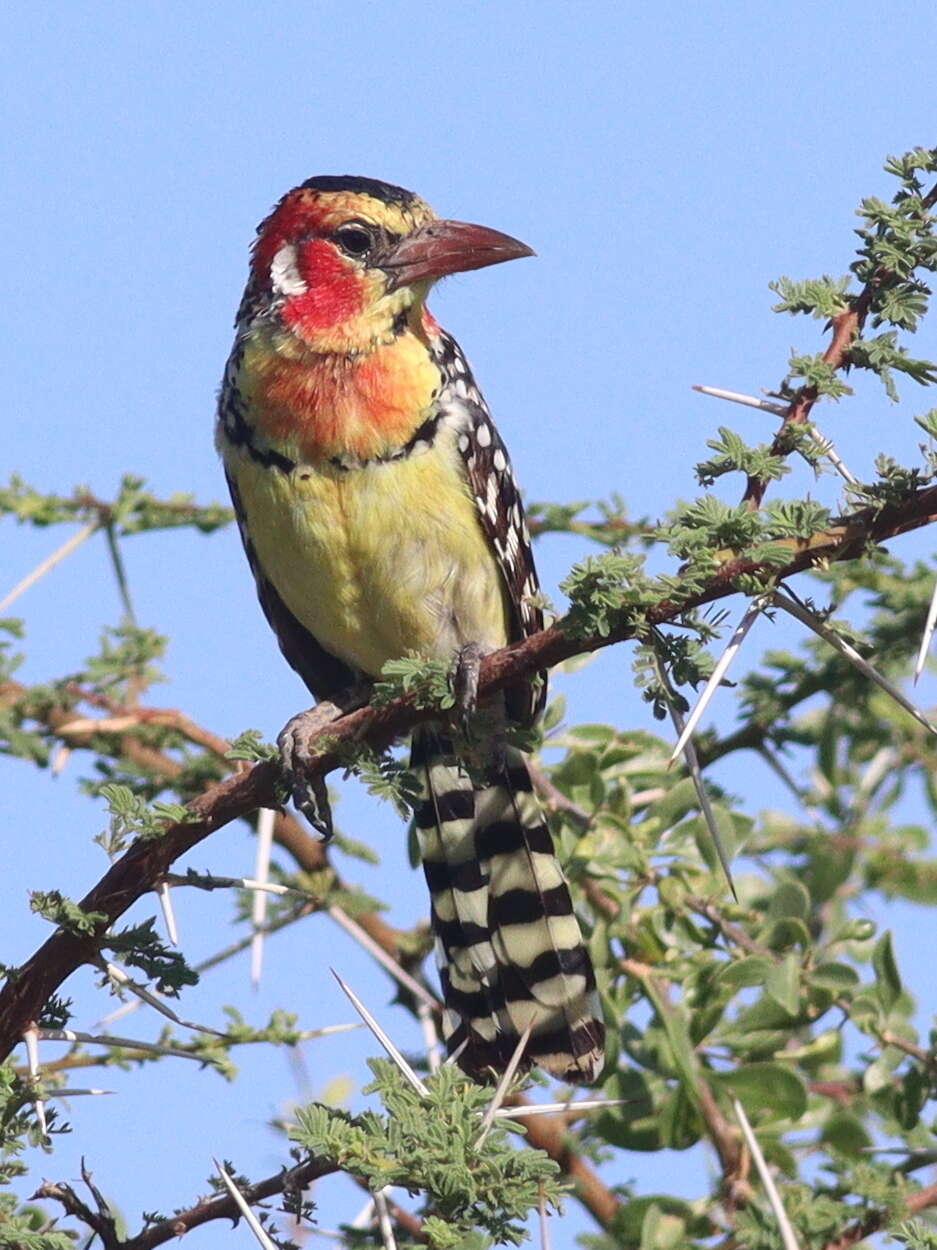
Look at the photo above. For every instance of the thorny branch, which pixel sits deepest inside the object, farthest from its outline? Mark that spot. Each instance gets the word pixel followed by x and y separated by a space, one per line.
pixel 100 1220
pixel 145 863
pixel 547 1133
pixel 846 327
pixel 916 1203
pixel 221 1207
pixel 142 866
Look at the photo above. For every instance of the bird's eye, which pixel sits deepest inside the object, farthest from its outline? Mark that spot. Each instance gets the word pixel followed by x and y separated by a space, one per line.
pixel 354 239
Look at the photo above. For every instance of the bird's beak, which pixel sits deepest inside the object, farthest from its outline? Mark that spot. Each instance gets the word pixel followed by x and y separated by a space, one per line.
pixel 443 247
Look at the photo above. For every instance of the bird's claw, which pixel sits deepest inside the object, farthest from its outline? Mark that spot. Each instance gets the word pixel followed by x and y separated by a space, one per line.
pixel 466 669
pixel 297 756
pixel 309 792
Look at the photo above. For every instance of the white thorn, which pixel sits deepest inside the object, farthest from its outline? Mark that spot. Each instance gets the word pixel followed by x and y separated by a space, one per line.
pixel 644 798
pixel 545 1243
pixel 878 767
pixel 383 1220
pixel 702 797
pixel 507 1076
pixel 169 916
pixel 121 978
pixel 559 1108
pixel 49 563
pixel 125 1009
pixel 779 410
pixel 208 881
pixel 788 1239
pixel 249 1217
pixel 354 930
pixel 722 665
pixel 119 1043
pixel 454 1057
pixel 77 1093
pixel 269 887
pixel 364 1216
pixel 265 822
pixel 31 1038
pixel 381 1036
pixel 328 1029
pixel 63 753
pixel 430 1036
pixel 828 450
pixel 812 621
pixel 131 1043
pixel 926 637
pixel 749 401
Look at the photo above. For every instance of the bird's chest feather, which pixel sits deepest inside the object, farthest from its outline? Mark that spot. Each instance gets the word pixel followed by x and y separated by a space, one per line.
pixel 379 560
pixel 325 406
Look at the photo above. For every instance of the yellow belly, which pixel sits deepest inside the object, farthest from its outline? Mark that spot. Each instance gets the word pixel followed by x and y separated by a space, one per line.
pixel 380 560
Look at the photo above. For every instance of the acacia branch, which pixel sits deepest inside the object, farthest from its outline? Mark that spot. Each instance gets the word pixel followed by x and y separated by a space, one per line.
pixel 221 1207
pixel 309 853
pixel 847 326
pixel 141 867
pixel 100 1220
pixel 877 1219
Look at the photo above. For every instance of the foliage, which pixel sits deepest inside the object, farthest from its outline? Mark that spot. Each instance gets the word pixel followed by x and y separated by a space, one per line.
pixel 427 1144
pixel 785 997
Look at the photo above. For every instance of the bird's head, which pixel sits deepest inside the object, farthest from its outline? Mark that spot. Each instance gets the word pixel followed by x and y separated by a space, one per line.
pixel 342 263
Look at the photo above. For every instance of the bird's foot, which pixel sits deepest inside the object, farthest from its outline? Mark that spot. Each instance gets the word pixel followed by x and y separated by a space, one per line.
pixel 297 755
pixel 466 669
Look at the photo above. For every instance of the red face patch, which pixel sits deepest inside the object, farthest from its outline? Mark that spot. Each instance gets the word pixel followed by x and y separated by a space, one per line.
pixel 336 288
pixel 296 216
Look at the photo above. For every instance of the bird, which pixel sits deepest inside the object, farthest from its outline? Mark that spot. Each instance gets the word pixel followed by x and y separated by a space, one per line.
pixel 381 518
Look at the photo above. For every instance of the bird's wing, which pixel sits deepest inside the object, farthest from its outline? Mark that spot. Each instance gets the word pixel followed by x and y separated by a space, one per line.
pixel 500 509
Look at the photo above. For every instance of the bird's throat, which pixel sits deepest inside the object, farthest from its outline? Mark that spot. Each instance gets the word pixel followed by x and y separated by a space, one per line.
pixel 320 406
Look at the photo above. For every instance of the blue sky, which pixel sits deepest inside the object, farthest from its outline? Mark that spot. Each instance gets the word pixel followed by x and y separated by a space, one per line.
pixel 666 162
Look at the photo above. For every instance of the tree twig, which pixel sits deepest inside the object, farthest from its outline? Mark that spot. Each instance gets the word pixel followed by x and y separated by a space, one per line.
pixel 145 862
pixel 223 1207
pixel 872 1222
pixel 846 327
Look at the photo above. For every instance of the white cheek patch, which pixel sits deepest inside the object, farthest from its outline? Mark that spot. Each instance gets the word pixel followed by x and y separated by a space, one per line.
pixel 284 272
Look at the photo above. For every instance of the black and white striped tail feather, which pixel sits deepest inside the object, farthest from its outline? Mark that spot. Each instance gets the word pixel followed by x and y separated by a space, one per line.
pixel 508 944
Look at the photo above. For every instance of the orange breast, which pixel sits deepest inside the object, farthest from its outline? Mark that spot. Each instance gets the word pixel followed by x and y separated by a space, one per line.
pixel 332 405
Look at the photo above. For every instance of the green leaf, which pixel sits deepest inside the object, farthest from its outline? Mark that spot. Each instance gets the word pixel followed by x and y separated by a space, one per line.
pixel 888 980
pixel 845 1131
pixel 790 901
pixel 766 1087
pixel 636 1126
pixel 785 933
pixel 59 910
pixel 630 1218
pixel 660 1231
pixel 783 983
pixel 751 970
pixel 675 1027
pixel 250 745
pixel 834 976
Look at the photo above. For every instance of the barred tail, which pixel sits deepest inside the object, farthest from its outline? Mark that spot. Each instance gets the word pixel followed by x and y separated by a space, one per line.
pixel 508 943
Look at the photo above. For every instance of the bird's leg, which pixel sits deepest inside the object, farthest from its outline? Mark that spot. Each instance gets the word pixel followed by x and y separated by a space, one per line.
pixel 466 668
pixel 310 793
pixel 482 728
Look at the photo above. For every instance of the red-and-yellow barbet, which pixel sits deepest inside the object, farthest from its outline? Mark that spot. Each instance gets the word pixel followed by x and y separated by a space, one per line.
pixel 381 517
